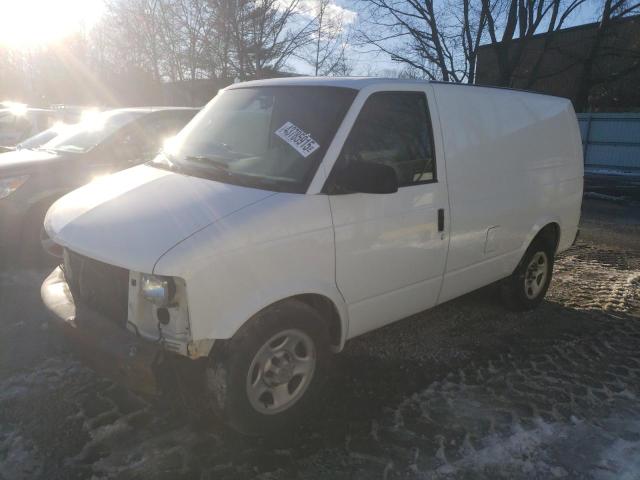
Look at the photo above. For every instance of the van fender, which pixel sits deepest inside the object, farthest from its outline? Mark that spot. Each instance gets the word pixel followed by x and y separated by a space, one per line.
pixel 233 319
pixel 540 223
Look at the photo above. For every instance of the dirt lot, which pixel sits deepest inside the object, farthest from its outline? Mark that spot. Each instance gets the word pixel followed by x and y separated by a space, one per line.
pixel 466 390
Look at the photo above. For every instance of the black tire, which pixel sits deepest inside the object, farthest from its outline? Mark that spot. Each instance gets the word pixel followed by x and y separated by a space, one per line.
pixel 521 292
pixel 227 382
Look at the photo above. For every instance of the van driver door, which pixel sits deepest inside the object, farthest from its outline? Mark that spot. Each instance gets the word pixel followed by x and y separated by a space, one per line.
pixel 391 248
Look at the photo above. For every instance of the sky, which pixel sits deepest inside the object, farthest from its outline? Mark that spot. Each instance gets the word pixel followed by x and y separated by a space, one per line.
pixel 364 61
pixel 26 24
pixel 367 62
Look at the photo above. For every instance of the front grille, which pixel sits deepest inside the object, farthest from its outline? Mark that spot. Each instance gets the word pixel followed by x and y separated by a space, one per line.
pixel 100 286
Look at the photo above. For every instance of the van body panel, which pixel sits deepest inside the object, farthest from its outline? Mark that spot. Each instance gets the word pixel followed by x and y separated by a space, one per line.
pixel 131 218
pixel 514 162
pixel 272 250
pixel 390 256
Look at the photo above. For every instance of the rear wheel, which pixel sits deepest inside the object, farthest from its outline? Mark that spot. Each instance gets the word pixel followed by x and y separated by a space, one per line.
pixel 527 286
pixel 266 377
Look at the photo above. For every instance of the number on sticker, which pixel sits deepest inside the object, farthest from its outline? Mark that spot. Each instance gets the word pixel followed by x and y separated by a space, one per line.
pixel 301 141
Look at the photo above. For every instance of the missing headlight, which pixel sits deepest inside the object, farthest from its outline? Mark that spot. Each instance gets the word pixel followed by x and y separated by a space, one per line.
pixel 158 290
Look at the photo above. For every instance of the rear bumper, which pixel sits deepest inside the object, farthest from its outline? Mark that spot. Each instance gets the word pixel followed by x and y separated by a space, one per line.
pixel 109 349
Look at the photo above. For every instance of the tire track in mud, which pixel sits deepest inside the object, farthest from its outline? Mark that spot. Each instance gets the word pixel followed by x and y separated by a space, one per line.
pixel 567 409
pixel 493 419
pixel 591 278
pixel 548 407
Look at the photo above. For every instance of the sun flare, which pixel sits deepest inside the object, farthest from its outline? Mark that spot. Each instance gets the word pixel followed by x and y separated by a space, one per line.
pixel 28 24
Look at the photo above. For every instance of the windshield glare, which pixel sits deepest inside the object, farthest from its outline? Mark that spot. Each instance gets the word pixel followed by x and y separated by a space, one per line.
pixel 43 137
pixel 92 131
pixel 262 137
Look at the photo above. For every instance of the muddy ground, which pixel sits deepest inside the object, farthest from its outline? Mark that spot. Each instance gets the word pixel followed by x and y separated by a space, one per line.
pixel 466 390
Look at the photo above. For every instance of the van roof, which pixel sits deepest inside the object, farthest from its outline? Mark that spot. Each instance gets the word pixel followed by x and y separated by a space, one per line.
pixel 151 109
pixel 358 83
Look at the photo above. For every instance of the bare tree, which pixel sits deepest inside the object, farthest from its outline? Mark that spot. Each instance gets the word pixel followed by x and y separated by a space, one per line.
pixel 556 23
pixel 221 42
pixel 601 55
pixel 596 67
pixel 180 40
pixel 266 35
pixel 471 23
pixel 438 39
pixel 193 28
pixel 520 20
pixel 408 31
pixel 442 39
pixel 326 53
pixel 135 34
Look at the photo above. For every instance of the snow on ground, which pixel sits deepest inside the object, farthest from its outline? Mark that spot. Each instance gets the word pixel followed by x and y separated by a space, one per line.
pixel 464 391
pixel 20 458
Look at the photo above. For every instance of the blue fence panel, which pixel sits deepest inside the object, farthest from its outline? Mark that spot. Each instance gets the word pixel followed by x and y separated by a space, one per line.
pixel 610 141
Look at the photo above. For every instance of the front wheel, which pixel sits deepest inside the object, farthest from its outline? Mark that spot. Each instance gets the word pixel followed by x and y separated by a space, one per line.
pixel 267 375
pixel 527 286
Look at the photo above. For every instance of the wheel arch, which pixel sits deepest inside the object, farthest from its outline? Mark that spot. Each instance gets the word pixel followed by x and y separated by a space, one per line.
pixel 333 312
pixel 512 294
pixel 548 228
pixel 329 312
pixel 551 234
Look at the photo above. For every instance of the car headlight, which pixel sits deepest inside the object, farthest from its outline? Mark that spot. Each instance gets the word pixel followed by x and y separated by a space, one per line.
pixel 158 290
pixel 11 184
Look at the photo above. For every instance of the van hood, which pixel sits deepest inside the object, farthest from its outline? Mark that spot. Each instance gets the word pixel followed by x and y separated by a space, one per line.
pixel 131 218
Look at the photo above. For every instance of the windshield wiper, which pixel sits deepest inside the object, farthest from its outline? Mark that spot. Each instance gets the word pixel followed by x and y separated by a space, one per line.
pixel 168 163
pixel 207 167
pixel 51 150
pixel 209 161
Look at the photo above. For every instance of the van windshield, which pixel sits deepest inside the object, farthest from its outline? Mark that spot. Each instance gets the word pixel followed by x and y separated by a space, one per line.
pixel 262 137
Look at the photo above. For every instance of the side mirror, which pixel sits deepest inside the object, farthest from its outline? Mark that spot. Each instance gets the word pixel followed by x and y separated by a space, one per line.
pixel 367 177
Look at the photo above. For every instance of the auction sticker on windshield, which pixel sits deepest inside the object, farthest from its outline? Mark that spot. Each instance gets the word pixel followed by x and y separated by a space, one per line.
pixel 300 140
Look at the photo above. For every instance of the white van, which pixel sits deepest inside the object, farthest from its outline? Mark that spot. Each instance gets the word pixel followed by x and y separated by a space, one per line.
pixel 291 215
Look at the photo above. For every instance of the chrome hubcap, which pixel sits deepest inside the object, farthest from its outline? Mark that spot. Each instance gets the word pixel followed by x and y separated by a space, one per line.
pixel 536 275
pixel 281 371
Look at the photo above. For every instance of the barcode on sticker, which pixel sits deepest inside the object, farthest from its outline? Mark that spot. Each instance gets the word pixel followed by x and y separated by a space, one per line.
pixel 300 140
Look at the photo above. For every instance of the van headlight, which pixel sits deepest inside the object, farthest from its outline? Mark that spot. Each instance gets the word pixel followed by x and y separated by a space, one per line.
pixel 11 184
pixel 158 290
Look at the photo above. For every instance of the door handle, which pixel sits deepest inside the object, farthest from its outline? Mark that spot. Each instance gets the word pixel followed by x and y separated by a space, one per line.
pixel 441 219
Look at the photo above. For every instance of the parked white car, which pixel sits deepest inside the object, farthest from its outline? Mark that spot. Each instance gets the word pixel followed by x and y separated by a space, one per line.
pixel 291 215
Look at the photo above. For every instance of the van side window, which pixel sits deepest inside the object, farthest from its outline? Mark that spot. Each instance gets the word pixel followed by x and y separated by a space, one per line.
pixel 394 128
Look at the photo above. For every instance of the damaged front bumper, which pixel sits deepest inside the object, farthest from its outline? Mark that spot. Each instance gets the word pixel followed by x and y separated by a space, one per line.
pixel 106 347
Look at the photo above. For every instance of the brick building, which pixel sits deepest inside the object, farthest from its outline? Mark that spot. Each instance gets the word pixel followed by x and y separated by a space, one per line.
pixel 598 69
